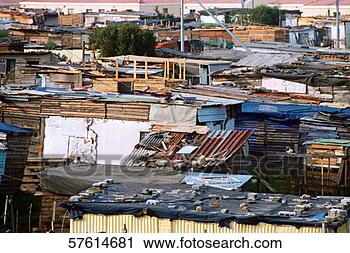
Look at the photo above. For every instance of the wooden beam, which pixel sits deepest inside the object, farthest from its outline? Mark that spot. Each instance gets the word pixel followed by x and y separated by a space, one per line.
pixel 116 71
pixel 184 75
pixel 164 70
pixel 168 70
pixel 180 71
pixel 135 76
pixel 173 70
pixel 146 70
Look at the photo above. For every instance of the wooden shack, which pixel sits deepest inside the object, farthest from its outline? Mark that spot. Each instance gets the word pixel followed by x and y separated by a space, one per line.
pixel 326 167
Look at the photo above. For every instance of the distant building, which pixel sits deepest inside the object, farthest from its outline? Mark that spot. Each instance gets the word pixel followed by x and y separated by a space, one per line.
pixel 312 8
pixel 163 6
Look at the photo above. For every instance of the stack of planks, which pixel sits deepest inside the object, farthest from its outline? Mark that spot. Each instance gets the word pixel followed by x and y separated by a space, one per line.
pixel 245 34
pixel 326 169
pixel 82 109
pixel 128 111
pixel 105 84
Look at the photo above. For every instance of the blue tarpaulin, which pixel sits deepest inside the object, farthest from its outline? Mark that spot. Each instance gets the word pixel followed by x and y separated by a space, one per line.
pixel 290 111
pixel 9 129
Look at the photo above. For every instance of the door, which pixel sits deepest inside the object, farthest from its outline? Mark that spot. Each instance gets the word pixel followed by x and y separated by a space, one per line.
pixel 10 69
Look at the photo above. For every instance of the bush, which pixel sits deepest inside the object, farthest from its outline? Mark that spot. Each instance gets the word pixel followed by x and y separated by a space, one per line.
pixel 123 39
pixel 263 14
pixel 4 34
pixel 50 45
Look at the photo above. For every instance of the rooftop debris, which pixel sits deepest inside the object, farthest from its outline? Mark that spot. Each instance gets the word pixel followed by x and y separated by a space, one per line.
pixel 205 204
pixel 192 149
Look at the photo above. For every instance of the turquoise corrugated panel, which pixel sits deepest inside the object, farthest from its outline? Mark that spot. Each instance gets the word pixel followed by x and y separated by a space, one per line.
pixel 212 114
pixel 2 162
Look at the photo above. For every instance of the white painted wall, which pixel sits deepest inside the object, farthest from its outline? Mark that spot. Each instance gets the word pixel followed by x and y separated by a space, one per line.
pixel 210 20
pixel 93 140
pixel 283 85
pixel 80 7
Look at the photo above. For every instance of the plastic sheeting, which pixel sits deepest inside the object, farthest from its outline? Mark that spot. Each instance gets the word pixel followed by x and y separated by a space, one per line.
pixel 215 180
pixel 173 114
pixel 176 201
pixel 71 179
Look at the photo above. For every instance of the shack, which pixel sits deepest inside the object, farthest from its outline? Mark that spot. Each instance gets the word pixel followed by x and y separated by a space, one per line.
pixel 14 144
pixel 327 167
pixel 178 208
pixel 12 65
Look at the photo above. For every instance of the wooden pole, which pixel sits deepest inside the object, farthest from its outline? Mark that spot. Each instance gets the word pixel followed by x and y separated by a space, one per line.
pixel 30 218
pixel 116 71
pixel 13 215
pixel 184 69
pixel 135 69
pixel 53 216
pixel 168 70
pixel 5 210
pixel 146 70
pixel 83 53
pixel 164 76
pixel 16 221
pixel 180 71
pixel 173 70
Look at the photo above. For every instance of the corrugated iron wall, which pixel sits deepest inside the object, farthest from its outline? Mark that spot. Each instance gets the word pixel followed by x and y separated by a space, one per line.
pixel 92 223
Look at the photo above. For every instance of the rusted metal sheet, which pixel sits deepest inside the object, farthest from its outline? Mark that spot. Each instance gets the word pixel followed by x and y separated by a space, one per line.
pixel 162 148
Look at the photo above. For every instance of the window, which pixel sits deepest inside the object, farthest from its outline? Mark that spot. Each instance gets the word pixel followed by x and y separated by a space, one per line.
pixel 88 10
pixel 165 10
pixel 101 10
pixel 192 12
pixel 70 11
pixel 32 62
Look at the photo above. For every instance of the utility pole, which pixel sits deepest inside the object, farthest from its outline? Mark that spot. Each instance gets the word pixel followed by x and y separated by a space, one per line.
pixel 182 29
pixel 337 23
pixel 224 27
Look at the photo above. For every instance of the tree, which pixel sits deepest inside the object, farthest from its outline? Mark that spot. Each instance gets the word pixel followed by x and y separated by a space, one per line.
pixel 263 15
pixel 123 39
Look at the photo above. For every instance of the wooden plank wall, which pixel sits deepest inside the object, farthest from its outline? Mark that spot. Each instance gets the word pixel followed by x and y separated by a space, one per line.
pixel 326 170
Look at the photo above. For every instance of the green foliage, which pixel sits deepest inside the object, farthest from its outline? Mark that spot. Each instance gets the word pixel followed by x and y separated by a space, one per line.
pixel 161 15
pixel 50 45
pixel 263 15
pixel 123 39
pixel 62 57
pixel 4 34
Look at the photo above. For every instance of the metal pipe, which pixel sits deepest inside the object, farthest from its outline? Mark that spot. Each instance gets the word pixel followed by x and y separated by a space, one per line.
pixel 337 23
pixel 224 27
pixel 182 29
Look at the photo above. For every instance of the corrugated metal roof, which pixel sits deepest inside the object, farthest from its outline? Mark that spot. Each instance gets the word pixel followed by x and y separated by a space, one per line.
pixel 266 59
pixel 215 147
pixel 222 145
